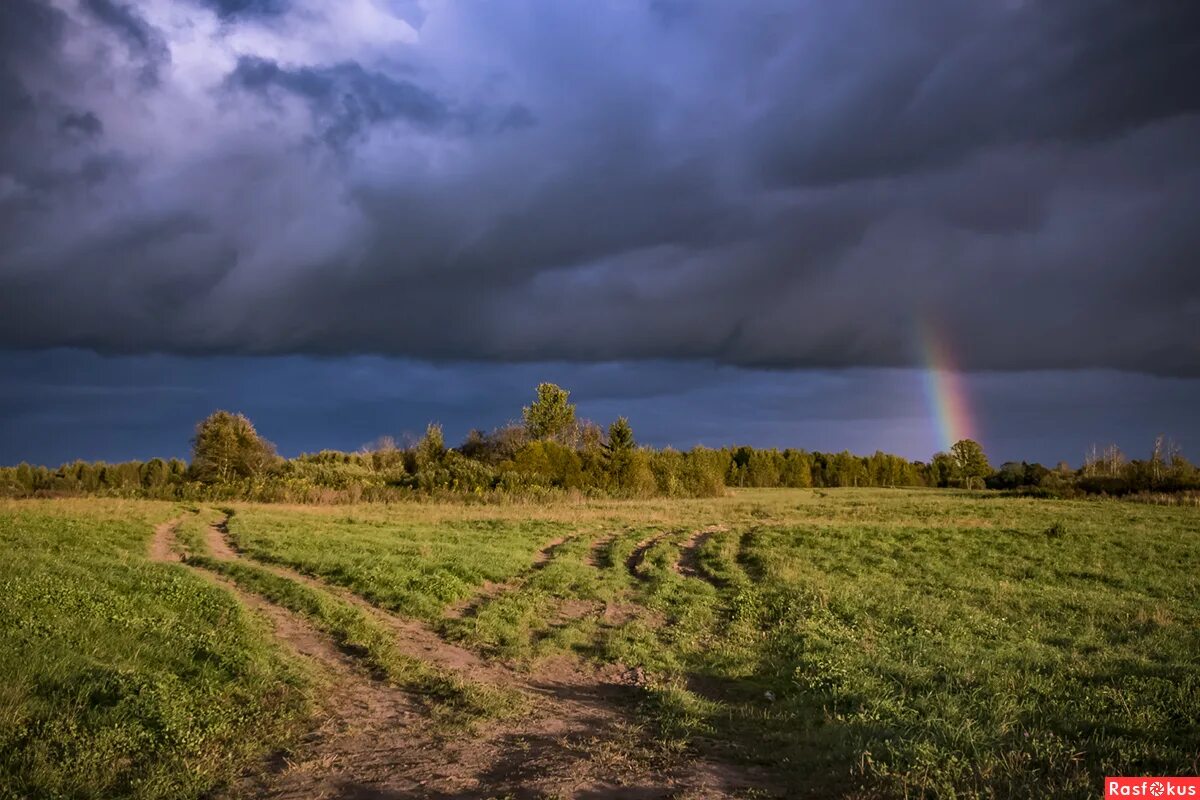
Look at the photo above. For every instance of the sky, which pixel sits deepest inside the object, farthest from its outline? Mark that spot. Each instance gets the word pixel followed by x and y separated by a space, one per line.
pixel 862 225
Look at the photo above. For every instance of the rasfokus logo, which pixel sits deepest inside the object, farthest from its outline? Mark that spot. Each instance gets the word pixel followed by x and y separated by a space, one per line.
pixel 1151 787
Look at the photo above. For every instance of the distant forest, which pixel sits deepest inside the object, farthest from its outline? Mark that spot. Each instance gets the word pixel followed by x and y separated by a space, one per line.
pixel 551 452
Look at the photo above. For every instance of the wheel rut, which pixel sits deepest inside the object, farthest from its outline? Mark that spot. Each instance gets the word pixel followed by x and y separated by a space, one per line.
pixel 688 563
pixel 411 637
pixel 639 554
pixel 599 555
pixel 490 591
pixel 356 710
pixel 374 741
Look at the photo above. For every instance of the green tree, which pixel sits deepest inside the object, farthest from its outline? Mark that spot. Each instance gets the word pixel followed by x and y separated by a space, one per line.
pixel 432 448
pixel 628 468
pixel 620 436
pixel 550 416
pixel 155 473
pixel 797 469
pixel 619 452
pixel 226 447
pixel 970 463
pixel 941 469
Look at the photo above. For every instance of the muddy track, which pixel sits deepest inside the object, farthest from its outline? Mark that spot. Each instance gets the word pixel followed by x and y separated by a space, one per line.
pixel 373 742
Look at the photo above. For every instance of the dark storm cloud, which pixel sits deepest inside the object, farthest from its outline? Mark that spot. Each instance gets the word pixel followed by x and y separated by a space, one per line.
pixel 142 39
pixel 83 123
pixel 345 97
pixel 774 184
pixel 246 8
pixel 29 32
pixel 956 78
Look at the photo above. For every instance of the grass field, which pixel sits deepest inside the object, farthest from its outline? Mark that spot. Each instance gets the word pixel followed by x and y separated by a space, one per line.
pixel 838 643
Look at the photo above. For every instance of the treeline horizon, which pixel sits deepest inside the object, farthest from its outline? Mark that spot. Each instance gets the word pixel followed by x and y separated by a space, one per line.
pixel 551 452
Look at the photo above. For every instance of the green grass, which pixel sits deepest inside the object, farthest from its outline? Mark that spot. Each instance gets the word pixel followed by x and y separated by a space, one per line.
pixel 122 678
pixel 415 568
pixel 981 661
pixel 452 698
pixel 527 618
pixel 915 643
pixel 865 643
pixel 924 645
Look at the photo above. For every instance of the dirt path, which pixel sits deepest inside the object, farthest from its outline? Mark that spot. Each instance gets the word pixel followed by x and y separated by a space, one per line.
pixel 580 738
pixel 412 638
pixel 216 539
pixel 162 543
pixel 359 714
pixel 544 555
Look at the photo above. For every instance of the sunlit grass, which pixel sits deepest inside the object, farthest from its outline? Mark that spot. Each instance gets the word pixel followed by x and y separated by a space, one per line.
pixel 874 643
pixel 119 677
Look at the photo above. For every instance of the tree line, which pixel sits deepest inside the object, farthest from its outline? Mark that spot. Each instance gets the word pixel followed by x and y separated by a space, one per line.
pixel 550 451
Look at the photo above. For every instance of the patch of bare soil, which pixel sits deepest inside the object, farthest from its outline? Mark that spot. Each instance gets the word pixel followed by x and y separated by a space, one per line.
pixel 162 544
pixel 216 537
pixel 580 738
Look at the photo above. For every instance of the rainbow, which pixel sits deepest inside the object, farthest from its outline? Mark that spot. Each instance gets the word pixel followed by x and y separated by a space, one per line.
pixel 948 401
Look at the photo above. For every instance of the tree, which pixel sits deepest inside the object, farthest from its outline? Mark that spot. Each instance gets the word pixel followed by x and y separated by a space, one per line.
pixel 797 469
pixel 620 436
pixel 155 473
pixel 550 416
pixel 628 468
pixel 226 447
pixel 941 469
pixel 619 451
pixel 432 447
pixel 970 463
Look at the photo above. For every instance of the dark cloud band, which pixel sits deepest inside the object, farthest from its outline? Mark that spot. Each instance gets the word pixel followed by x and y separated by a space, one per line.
pixel 778 185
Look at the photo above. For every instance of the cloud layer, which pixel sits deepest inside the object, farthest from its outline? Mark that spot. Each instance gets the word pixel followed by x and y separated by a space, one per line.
pixel 775 184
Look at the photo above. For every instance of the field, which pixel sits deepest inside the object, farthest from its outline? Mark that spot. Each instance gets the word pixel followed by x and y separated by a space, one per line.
pixel 773 643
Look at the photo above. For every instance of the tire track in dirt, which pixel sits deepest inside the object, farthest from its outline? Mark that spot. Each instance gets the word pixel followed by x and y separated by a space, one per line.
pixel 163 549
pixel 599 556
pixel 358 713
pixel 581 739
pixel 639 553
pixel 216 538
pixel 543 556
pixel 411 637
pixel 688 563
pixel 748 564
